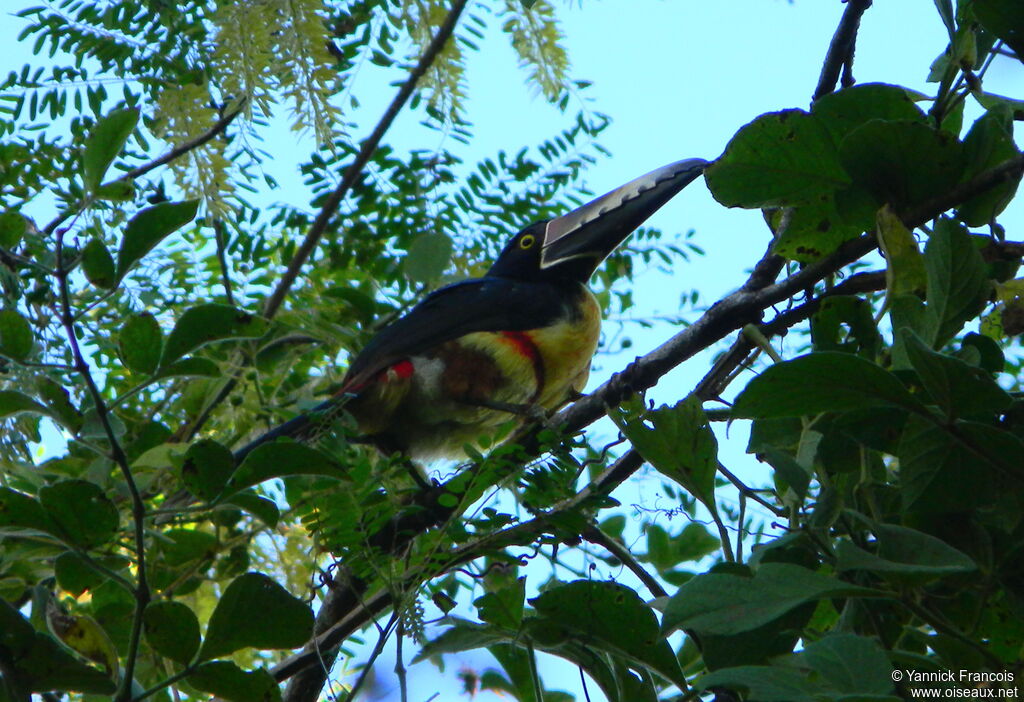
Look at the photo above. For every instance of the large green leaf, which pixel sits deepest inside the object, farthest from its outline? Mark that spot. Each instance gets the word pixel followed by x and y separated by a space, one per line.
pixel 613 618
pixel 279 459
pixel 256 612
pixel 850 664
pixel 1005 19
pixel 988 144
pixel 206 468
pixel 763 683
pixel 958 285
pixel 676 440
pixel 725 604
pixel 906 555
pixel 781 158
pixel 140 343
pixel 844 110
pixel 205 324
pixel 105 141
pixel 826 381
pixel 428 257
pixel 98 265
pixel 959 389
pixel 84 515
pixel 172 630
pixel 148 228
pixel 227 681
pixel 902 162
pixel 15 335
pixel 13 227
pixel 20 511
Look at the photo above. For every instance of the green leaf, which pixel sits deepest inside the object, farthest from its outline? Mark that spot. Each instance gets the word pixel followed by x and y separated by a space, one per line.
pixel 140 343
pixel 279 459
pixel 428 257
pixel 503 606
pixel 959 389
pixel 902 162
pixel 988 144
pixel 256 612
pixel 172 630
pixel 147 228
pixel 58 403
pixel 227 681
pixel 205 324
pixel 779 159
pixel 117 191
pixel 794 475
pixel 189 367
pixel 13 227
pixel 844 110
pixel 958 285
pixel 1005 19
pixel 939 473
pixel 15 335
pixel 20 511
pixel 75 575
pixel 83 513
pixel 850 664
pixel 464 636
pixel 206 468
pixel 613 618
pixel 48 666
pixel 183 546
pixel 826 381
pixel 725 604
pixel 104 143
pixel 762 683
pixel 12 403
pixel 676 440
pixel 98 265
pixel 905 270
pixel 258 506
pixel 907 555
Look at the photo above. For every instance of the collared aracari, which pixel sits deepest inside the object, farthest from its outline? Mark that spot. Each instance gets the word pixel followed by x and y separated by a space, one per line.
pixel 477 353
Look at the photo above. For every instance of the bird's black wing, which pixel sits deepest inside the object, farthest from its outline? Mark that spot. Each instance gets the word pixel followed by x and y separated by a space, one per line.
pixel 480 304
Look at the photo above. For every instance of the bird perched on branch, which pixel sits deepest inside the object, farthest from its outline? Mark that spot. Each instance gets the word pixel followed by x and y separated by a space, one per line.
pixel 476 354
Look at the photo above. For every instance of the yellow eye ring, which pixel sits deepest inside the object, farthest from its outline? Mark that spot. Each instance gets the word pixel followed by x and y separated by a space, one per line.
pixel 527 241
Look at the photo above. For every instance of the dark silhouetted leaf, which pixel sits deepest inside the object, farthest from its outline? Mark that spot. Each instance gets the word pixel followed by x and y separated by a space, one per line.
pixel 279 459
pixel 908 555
pixel 98 265
pixel 256 612
pixel 229 682
pixel 826 381
pixel 172 630
pixel 85 516
pixel 13 228
pixel 15 335
pixel 206 468
pixel 725 604
pixel 958 285
pixel 205 324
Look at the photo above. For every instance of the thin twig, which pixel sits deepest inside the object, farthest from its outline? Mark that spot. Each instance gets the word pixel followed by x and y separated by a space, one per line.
pixel 141 591
pixel 596 536
pixel 355 169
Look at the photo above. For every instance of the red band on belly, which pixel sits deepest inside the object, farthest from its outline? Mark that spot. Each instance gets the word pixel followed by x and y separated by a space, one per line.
pixel 525 346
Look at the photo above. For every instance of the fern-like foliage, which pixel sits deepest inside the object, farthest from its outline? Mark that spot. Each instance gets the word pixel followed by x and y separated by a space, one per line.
pixel 536 39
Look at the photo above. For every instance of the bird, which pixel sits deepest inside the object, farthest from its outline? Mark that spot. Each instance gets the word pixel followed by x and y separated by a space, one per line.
pixel 476 355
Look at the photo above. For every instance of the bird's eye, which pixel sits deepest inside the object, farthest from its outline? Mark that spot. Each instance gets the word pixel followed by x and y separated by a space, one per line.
pixel 527 241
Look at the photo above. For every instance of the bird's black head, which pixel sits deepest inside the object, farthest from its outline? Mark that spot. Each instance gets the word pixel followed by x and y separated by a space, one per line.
pixel 572 246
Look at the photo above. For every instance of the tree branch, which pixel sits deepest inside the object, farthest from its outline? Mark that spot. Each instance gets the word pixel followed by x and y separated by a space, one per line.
pixel 840 52
pixel 355 169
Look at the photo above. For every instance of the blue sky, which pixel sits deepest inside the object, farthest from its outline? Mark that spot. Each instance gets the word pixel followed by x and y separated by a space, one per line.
pixel 678 78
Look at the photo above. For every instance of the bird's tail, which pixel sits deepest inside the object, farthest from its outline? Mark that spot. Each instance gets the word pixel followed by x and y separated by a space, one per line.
pixel 307 427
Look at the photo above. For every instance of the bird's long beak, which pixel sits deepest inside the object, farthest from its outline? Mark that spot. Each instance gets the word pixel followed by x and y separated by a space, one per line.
pixel 596 228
